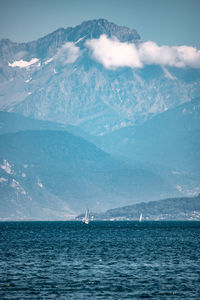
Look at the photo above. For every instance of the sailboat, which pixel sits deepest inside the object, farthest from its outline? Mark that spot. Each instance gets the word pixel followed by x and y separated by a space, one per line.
pixel 140 219
pixel 86 218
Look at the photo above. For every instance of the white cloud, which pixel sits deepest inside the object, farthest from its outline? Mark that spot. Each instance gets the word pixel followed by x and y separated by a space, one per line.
pixel 190 56
pixel 150 53
pixel 112 54
pixel 67 54
pixel 182 56
pixel 23 63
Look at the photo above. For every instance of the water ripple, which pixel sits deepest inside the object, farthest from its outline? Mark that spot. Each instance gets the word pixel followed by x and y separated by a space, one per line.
pixel 102 260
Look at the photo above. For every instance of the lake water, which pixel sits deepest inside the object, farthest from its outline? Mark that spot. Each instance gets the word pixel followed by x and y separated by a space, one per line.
pixel 102 260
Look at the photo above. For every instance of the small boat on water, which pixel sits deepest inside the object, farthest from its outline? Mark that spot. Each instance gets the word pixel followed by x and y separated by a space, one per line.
pixel 140 219
pixel 86 218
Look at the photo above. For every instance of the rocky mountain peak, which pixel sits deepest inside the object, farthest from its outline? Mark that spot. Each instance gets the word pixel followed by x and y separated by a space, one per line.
pixel 95 28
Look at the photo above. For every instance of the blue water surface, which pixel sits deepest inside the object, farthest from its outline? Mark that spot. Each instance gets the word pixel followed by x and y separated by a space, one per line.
pixel 102 260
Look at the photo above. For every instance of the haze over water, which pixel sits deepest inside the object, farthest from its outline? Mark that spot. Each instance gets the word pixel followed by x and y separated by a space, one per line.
pixel 102 260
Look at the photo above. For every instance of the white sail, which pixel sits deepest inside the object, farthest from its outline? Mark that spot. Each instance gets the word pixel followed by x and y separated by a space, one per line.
pixel 140 219
pixel 86 219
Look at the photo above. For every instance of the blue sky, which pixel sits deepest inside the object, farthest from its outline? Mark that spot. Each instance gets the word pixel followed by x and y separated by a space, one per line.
pixel 170 22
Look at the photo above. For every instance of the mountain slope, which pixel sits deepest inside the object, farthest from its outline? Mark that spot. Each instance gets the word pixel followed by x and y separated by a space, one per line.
pixel 45 169
pixel 170 139
pixel 12 122
pixel 168 143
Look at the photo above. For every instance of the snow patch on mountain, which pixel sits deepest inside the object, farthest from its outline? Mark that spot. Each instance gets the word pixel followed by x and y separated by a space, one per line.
pixel 48 61
pixel 19 189
pixel 16 185
pixel 79 40
pixel 6 167
pixel 168 74
pixel 2 179
pixel 39 183
pixel 179 188
pixel 23 63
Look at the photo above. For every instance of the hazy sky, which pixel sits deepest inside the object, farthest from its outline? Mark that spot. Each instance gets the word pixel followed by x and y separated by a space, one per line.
pixel 170 22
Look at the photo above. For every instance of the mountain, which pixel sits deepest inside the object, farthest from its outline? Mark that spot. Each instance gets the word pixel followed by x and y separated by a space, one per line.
pixel 48 174
pixel 166 209
pixel 56 78
pixel 76 133
pixel 169 143
pixel 168 138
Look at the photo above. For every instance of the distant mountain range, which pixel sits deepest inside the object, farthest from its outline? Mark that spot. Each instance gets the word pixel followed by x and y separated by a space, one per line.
pixel 74 134
pixel 50 174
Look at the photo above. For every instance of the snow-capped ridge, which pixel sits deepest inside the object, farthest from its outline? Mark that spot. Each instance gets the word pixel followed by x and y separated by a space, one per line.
pixel 23 64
